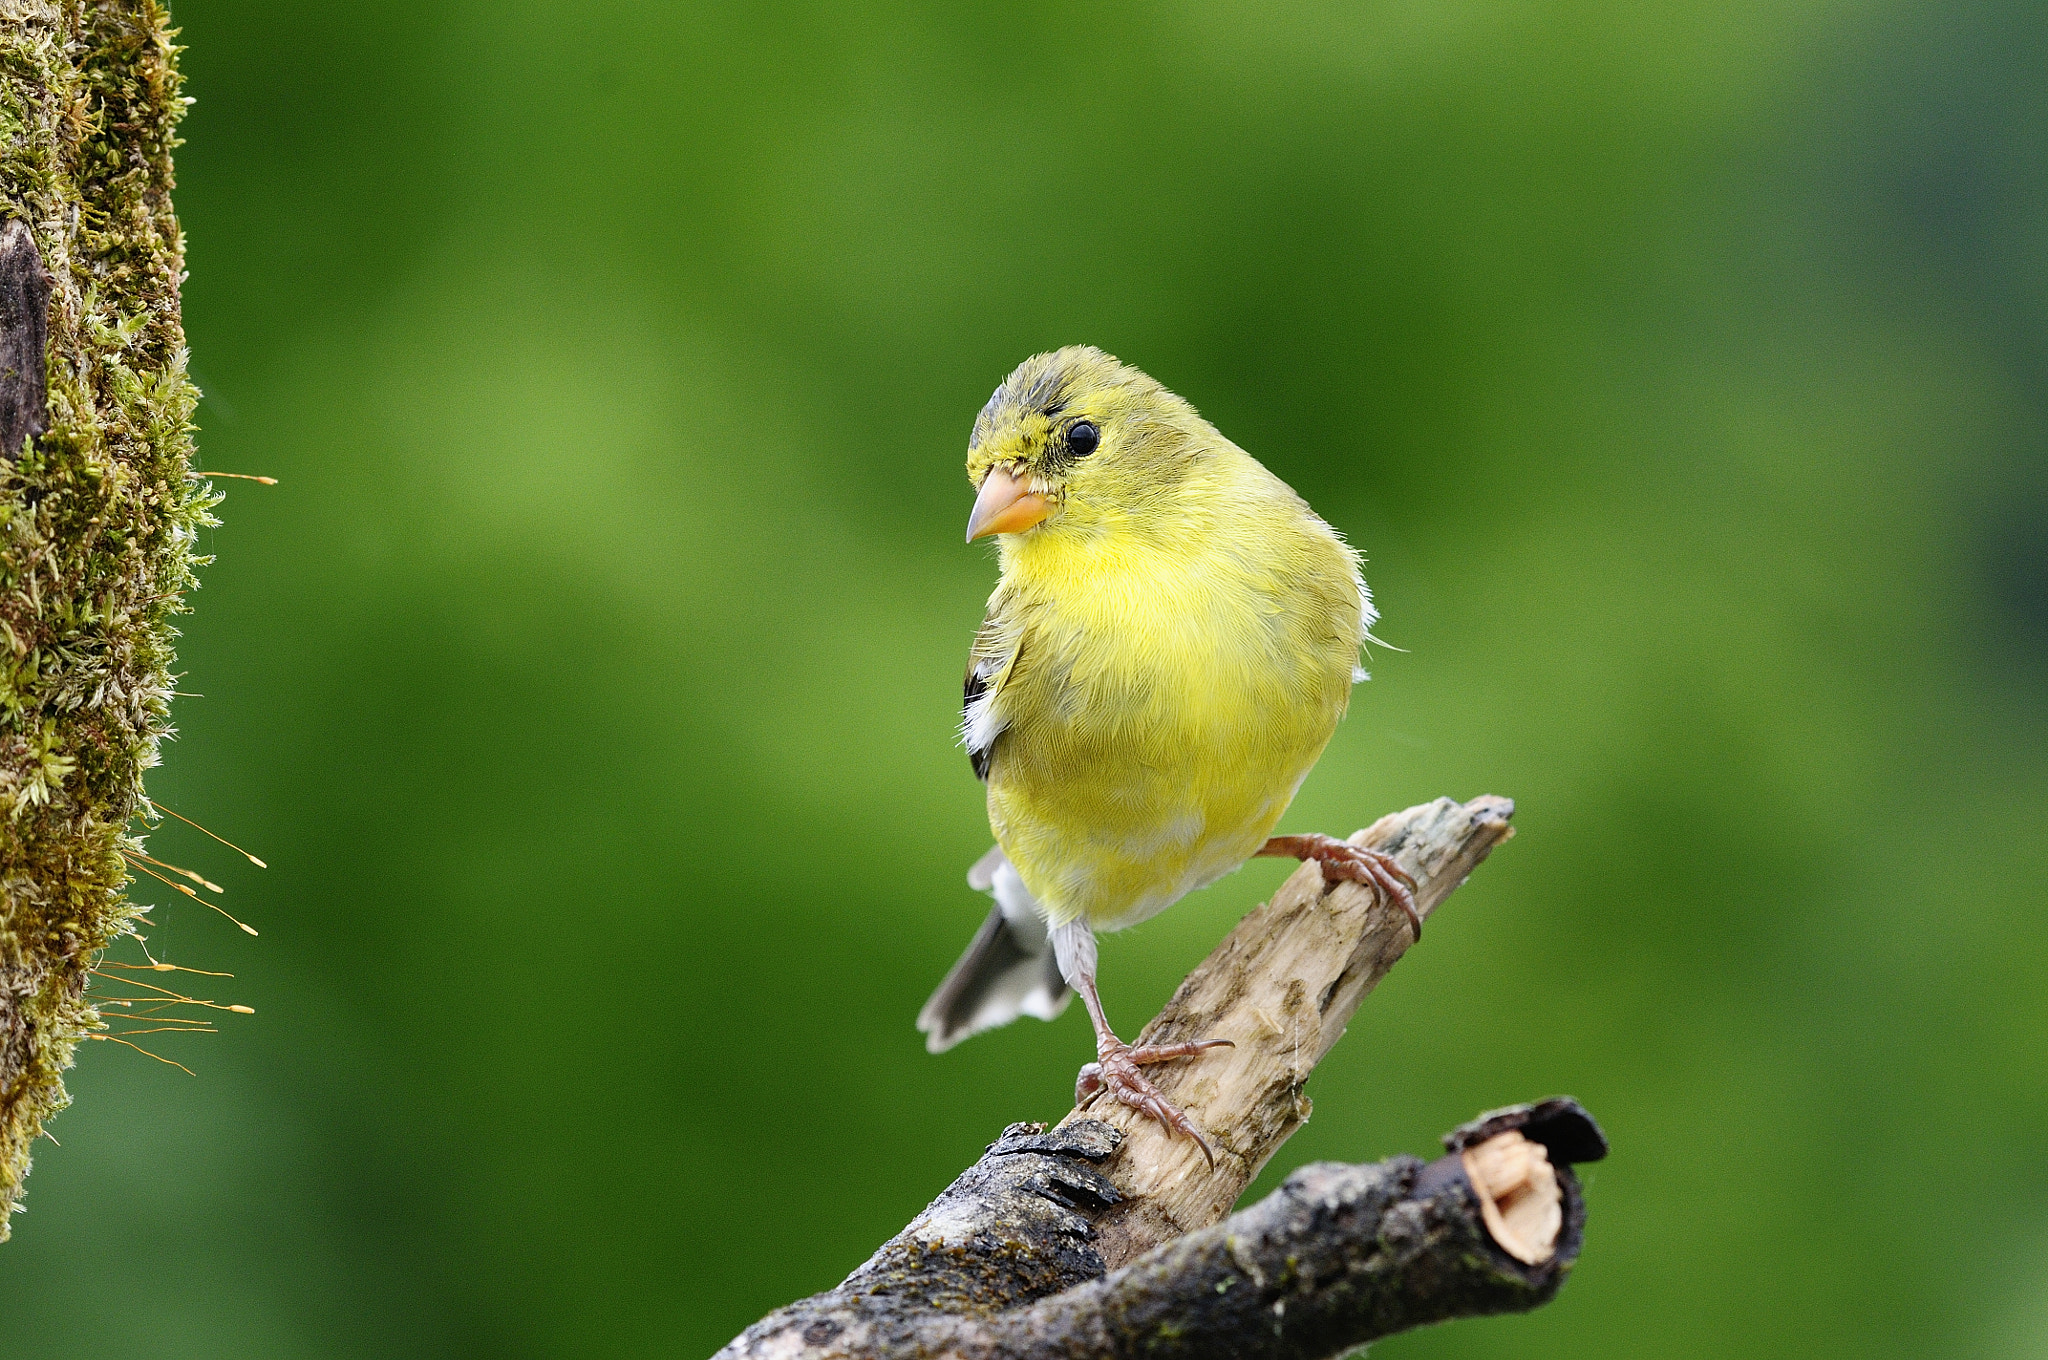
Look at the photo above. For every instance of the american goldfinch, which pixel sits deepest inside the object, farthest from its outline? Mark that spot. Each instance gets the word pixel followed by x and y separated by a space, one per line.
pixel 1172 643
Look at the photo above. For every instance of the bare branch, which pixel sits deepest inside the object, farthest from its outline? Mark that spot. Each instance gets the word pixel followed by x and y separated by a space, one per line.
pixel 999 1268
pixel 1020 1256
pixel 1336 1257
pixel 1283 986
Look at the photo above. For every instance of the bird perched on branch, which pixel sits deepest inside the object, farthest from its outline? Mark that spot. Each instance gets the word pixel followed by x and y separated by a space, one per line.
pixel 1171 646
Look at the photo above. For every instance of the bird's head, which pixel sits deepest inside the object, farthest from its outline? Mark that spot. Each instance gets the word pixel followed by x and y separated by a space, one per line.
pixel 1075 441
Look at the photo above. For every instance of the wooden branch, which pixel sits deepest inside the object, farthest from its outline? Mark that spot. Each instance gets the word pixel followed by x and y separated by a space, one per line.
pixel 1000 1268
pixel 1021 1256
pixel 1283 986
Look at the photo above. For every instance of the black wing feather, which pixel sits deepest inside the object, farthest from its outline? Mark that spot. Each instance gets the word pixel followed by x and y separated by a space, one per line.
pixel 973 688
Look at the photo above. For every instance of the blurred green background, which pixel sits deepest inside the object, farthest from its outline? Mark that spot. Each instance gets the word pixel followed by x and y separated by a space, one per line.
pixel 589 680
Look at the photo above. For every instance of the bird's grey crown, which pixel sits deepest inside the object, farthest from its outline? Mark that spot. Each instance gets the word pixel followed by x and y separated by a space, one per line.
pixel 1044 384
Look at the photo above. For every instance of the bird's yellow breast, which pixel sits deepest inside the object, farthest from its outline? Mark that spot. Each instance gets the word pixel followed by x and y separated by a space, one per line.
pixel 1168 696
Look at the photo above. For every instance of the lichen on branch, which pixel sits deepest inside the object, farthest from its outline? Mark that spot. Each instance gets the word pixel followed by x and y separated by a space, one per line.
pixel 99 512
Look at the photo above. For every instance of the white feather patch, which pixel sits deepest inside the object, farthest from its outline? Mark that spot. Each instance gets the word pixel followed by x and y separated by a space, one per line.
pixel 979 725
pixel 1367 617
pixel 981 875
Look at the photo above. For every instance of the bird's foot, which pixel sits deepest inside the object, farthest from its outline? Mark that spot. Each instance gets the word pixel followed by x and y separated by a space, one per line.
pixel 1351 863
pixel 1116 1070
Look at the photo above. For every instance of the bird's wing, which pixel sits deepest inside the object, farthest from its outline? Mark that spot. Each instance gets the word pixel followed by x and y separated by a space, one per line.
pixel 989 663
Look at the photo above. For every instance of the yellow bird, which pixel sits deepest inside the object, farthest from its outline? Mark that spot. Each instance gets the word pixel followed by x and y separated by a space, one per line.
pixel 1173 641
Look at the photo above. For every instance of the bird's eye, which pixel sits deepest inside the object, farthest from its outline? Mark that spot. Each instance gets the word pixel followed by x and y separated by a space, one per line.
pixel 1082 438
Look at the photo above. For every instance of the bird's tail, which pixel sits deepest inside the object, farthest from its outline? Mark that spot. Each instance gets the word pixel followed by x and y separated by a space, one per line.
pixel 1008 971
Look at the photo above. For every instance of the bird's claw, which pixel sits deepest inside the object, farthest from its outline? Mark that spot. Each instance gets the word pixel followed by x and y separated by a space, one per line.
pixel 1356 864
pixel 1391 881
pixel 1116 1070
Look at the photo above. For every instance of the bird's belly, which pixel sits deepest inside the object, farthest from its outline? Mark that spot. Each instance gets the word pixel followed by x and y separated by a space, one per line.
pixel 1115 809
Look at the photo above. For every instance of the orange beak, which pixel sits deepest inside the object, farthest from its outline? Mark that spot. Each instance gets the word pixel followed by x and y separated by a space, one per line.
pixel 1005 506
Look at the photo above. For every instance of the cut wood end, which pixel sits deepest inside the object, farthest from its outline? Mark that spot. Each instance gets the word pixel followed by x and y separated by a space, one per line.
pixel 1518 1195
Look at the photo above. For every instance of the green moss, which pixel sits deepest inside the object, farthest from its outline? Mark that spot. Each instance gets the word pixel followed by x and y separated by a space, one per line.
pixel 98 519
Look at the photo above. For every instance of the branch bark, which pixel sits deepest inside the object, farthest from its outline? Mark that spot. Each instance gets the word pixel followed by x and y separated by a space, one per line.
pixel 1282 985
pixel 1102 1237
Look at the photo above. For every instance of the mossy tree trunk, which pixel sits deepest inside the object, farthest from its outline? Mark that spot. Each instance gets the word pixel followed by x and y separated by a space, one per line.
pixel 99 508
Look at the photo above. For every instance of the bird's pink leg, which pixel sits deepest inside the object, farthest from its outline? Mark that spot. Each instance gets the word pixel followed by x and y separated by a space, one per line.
pixel 1341 859
pixel 1116 1065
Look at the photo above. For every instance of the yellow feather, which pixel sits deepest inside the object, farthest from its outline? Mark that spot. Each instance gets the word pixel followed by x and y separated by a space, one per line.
pixel 1179 638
